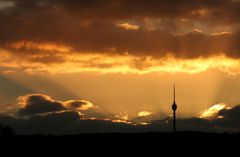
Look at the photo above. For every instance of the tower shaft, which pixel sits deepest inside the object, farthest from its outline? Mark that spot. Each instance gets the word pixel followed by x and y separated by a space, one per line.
pixel 174 108
pixel 174 121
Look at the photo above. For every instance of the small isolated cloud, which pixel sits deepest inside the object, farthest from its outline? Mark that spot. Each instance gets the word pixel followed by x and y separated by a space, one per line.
pixel 144 114
pixel 78 104
pixel 128 26
pixel 221 33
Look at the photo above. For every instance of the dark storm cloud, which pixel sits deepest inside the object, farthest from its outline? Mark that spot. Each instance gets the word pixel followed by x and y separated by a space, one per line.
pixel 92 26
pixel 230 113
pixel 231 117
pixel 228 121
pixel 139 8
pixel 102 37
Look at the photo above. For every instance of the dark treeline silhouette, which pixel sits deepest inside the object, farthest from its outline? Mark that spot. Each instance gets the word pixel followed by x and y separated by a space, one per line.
pixel 6 131
pixel 125 143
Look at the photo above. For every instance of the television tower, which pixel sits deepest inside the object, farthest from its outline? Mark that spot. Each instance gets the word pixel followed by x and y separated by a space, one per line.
pixel 174 108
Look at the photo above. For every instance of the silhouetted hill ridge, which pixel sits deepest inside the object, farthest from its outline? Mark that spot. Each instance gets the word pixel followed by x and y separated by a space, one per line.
pixel 126 142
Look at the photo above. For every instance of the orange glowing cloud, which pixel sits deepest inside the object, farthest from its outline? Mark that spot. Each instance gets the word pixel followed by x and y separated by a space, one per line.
pixel 202 12
pixel 128 26
pixel 144 65
pixel 122 116
pixel 75 63
pixel 56 58
pixel 42 46
pixel 221 33
pixel 78 104
pixel 212 112
pixel 144 113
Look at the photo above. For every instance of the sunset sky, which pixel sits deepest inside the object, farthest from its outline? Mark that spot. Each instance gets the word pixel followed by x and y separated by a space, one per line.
pixel 117 60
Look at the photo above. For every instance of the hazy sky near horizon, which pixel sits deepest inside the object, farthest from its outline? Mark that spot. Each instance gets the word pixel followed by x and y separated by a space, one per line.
pixel 122 55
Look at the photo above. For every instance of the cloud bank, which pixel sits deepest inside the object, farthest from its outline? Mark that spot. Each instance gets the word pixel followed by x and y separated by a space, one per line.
pixel 42 114
pixel 39 33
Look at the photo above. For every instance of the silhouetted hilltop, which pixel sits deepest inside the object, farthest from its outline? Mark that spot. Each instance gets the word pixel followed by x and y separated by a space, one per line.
pixel 127 142
pixel 6 131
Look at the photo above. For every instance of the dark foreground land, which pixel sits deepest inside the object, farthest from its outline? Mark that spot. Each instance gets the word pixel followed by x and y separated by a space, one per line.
pixel 120 143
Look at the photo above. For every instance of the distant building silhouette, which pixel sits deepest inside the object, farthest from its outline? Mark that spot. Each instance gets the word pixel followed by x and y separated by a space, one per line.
pixel 174 108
